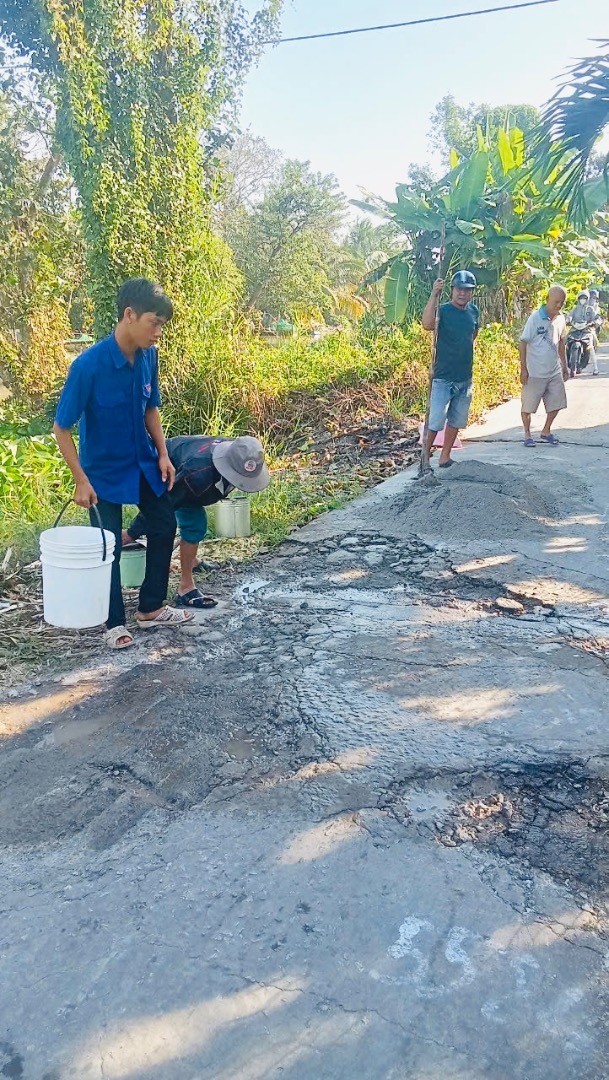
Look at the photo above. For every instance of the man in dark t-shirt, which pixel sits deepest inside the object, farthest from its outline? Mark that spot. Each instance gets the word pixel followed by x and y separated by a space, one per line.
pixel 451 388
pixel 207 469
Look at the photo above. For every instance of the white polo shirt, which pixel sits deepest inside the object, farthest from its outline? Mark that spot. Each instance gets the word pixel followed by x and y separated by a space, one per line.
pixel 542 336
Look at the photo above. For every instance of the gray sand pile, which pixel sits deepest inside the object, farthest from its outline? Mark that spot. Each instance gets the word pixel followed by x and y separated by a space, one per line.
pixel 474 500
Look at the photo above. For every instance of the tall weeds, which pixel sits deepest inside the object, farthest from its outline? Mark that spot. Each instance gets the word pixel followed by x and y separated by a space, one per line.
pixel 282 393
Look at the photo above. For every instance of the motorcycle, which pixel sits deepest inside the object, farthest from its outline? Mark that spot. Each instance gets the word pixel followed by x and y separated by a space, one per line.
pixel 579 344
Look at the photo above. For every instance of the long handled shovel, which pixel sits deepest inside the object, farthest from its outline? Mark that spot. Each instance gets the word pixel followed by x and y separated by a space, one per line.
pixel 424 466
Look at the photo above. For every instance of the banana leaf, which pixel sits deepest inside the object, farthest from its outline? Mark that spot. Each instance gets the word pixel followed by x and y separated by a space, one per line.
pixel 535 271
pixel 397 287
pixel 379 272
pixel 594 196
pixel 482 141
pixel 469 187
pixel 468 227
pixel 540 221
pixel 533 247
pixel 506 153
pixel 516 135
pixel 486 275
pixel 414 214
pixel 371 208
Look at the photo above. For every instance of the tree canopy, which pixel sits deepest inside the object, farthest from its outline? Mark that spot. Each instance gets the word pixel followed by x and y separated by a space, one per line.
pixel 285 245
pixel 454 126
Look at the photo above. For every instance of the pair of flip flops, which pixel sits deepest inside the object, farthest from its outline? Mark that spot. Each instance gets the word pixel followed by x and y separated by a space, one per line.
pixel 169 618
pixel 195 599
pixel 551 439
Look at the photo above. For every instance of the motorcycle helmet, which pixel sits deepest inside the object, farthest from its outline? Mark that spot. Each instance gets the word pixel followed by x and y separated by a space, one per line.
pixel 464 279
pixel 583 295
pixel 594 294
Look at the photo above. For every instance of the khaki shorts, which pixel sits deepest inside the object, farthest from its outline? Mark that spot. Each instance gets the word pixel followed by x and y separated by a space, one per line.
pixel 551 391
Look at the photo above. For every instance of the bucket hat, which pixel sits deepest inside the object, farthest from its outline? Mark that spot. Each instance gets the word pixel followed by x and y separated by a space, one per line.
pixel 241 462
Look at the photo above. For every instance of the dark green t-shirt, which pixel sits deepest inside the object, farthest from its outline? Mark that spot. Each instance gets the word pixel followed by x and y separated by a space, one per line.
pixel 457 329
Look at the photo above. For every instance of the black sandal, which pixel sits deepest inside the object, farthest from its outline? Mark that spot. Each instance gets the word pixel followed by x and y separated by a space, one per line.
pixel 195 599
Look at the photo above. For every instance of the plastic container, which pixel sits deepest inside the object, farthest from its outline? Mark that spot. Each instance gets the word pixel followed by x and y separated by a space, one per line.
pixel 232 517
pixel 133 566
pixel 76 568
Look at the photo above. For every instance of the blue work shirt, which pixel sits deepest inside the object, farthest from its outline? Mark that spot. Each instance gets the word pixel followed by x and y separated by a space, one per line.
pixel 107 397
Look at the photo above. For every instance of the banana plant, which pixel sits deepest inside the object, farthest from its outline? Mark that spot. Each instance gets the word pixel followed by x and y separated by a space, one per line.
pixel 483 208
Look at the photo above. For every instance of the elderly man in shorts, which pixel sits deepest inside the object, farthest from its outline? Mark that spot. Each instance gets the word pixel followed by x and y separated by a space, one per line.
pixel 543 365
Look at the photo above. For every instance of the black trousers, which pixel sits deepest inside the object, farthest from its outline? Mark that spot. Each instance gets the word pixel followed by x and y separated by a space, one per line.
pixel 160 530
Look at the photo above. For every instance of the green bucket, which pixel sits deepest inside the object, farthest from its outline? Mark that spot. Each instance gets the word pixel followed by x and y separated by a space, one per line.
pixel 133 566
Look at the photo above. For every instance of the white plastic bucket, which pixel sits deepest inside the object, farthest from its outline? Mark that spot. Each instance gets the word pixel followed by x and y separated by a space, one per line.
pixel 76 576
pixel 232 517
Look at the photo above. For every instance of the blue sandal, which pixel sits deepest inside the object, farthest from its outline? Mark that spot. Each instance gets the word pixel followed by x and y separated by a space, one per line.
pixel 551 439
pixel 530 441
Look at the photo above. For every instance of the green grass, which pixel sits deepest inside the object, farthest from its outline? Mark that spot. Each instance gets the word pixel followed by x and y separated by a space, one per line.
pixel 294 498
pixel 280 393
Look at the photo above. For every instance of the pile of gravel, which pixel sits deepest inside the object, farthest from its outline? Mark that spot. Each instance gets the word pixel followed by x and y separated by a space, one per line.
pixel 473 500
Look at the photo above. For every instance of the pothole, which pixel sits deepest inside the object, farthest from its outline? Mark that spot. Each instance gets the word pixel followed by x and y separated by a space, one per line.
pixel 242 745
pixel 554 817
pixel 374 560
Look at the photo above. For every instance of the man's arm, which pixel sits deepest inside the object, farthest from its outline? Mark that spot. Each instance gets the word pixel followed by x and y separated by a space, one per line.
pixel 562 352
pixel 428 317
pixel 524 374
pixel 72 404
pixel 152 420
pixel 84 494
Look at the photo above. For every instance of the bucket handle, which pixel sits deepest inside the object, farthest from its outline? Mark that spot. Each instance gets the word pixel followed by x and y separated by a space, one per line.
pixel 99 524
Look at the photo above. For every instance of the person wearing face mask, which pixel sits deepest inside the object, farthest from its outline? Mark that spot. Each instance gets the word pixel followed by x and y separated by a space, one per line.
pixel 585 320
pixel 207 469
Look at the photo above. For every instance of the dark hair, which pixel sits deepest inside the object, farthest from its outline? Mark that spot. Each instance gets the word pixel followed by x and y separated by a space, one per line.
pixel 143 295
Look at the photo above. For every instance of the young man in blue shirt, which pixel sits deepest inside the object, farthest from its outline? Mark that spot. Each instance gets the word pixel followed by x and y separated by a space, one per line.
pixel 112 393
pixel 451 390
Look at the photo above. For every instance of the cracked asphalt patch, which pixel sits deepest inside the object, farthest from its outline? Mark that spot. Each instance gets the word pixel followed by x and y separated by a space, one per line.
pixel 354 825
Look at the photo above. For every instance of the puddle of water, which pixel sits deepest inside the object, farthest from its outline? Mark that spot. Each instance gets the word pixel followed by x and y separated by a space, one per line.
pixel 427 804
pixel 243 592
pixel 242 745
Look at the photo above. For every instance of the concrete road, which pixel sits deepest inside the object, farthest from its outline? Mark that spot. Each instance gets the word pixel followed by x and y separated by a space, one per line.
pixel 353 825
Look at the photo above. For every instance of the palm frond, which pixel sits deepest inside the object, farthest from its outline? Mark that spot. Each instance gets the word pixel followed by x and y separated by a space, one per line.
pixel 571 124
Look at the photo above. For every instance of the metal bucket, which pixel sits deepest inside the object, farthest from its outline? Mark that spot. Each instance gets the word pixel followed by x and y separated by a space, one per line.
pixel 232 517
pixel 133 566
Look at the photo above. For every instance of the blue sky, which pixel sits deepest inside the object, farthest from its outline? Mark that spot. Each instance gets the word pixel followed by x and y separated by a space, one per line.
pixel 359 106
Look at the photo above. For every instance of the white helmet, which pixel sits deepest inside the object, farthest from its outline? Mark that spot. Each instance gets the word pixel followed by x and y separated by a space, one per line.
pixel 583 295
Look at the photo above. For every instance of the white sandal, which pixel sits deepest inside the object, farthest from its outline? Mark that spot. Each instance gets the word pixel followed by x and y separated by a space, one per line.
pixel 113 638
pixel 169 618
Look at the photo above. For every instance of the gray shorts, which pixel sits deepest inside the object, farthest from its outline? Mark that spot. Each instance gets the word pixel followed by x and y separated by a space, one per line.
pixel 450 402
pixel 551 391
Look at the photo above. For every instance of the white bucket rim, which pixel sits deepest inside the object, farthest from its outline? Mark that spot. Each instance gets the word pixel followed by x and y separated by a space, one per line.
pixel 74 530
pixel 75 543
